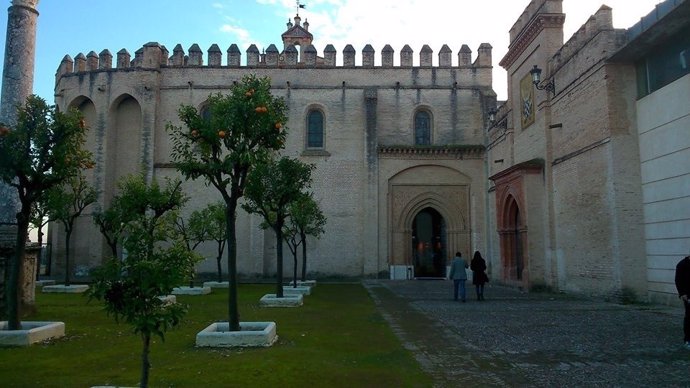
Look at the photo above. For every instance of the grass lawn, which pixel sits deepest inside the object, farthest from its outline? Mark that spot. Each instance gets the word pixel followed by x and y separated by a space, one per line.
pixel 337 339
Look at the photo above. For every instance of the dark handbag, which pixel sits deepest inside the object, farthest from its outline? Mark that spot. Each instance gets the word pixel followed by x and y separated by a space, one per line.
pixel 486 277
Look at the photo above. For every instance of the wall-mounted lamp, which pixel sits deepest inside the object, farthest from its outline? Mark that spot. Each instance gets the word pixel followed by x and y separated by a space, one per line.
pixel 536 80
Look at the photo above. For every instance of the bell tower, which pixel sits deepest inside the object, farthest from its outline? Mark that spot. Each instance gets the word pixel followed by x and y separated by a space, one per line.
pixel 297 35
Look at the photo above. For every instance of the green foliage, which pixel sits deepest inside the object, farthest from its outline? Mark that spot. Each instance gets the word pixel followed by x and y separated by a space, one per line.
pixel 237 131
pixel 65 203
pixel 306 219
pixel 209 224
pixel 40 152
pixel 44 148
pixel 111 224
pixel 131 288
pixel 271 188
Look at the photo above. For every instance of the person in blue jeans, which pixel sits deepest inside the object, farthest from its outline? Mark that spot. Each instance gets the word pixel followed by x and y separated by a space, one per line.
pixel 459 276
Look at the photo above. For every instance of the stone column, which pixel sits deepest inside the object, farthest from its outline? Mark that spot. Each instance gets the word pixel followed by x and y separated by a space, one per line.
pixel 17 85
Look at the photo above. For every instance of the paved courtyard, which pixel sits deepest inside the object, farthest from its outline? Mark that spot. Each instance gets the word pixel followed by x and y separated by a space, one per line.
pixel 515 339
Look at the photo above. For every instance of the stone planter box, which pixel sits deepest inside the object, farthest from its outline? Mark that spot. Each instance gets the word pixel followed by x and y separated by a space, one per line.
pixel 252 334
pixel 270 300
pixel 216 284
pixel 63 289
pixel 191 290
pixel 31 333
pixel 302 290
pixel 168 299
pixel 305 283
pixel 41 283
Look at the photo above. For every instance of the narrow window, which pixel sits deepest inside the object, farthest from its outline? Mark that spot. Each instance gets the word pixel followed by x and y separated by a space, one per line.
pixel 315 129
pixel 422 128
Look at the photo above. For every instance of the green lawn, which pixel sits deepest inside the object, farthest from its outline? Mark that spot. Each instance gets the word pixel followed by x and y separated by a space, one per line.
pixel 337 339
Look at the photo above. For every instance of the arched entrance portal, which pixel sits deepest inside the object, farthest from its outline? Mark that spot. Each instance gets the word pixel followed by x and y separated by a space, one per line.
pixel 513 237
pixel 429 242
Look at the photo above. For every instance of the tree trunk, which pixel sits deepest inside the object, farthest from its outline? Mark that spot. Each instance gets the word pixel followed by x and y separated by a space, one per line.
pixel 233 314
pixel 40 252
pixel 294 268
pixel 304 256
pixel 68 234
pixel 15 265
pixel 145 364
pixel 278 229
pixel 218 260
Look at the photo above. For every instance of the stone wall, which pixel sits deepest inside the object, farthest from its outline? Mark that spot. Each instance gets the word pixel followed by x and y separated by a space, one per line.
pixel 365 108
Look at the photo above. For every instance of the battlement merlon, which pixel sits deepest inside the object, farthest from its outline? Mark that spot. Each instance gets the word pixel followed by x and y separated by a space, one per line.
pixel 535 8
pixel 154 56
pixel 601 21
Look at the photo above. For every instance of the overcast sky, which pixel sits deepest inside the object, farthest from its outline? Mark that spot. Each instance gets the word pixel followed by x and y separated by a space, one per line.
pixel 74 26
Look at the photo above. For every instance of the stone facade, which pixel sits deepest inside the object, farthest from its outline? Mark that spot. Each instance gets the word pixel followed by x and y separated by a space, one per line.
pixel 567 172
pixel 371 179
pixel 578 185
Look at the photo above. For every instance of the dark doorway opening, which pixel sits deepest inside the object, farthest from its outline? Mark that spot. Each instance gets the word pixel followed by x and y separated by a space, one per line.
pixel 429 244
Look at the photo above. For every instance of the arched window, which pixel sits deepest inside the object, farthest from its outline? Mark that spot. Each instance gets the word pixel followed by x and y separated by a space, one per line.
pixel 315 129
pixel 422 128
pixel 205 112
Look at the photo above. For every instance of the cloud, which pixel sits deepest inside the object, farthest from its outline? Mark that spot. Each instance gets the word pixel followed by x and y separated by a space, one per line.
pixel 243 36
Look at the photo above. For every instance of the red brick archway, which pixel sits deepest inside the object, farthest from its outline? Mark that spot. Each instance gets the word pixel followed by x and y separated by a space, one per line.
pixel 511 221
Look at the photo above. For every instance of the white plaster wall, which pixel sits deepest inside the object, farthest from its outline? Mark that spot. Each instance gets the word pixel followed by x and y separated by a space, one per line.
pixel 664 128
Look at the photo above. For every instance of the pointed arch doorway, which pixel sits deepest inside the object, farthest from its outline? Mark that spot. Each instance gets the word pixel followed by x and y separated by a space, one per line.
pixel 429 210
pixel 429 244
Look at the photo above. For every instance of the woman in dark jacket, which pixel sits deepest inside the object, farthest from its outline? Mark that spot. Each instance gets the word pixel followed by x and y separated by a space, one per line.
pixel 478 266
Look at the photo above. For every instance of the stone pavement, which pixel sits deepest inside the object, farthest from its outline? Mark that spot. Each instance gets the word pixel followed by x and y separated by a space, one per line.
pixel 515 339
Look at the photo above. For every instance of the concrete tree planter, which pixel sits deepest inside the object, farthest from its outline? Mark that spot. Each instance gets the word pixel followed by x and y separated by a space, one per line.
pixel 303 283
pixel 270 300
pixel 168 299
pixel 46 282
pixel 63 289
pixel 251 334
pixel 31 333
pixel 191 290
pixel 302 290
pixel 216 284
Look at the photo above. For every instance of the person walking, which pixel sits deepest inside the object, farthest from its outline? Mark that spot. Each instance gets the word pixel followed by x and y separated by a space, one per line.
pixel 479 277
pixel 459 276
pixel 683 286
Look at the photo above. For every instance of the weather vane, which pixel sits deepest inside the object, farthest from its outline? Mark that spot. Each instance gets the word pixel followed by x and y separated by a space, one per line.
pixel 299 6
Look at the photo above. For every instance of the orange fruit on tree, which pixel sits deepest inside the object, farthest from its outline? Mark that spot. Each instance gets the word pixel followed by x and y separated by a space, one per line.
pixel 195 133
pixel 221 134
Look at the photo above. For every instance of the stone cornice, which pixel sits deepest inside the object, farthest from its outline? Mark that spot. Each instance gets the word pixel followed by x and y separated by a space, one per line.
pixel 432 152
pixel 529 33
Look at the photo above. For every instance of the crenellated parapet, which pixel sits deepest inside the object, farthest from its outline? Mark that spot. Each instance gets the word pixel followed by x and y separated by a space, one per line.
pixel 154 56
pixel 601 21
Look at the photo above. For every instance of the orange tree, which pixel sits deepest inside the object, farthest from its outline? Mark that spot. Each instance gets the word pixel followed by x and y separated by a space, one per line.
pixel 65 204
pixel 41 152
pixel 306 219
pixel 240 130
pixel 271 188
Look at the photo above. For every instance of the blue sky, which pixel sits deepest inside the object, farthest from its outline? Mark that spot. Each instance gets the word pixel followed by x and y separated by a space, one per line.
pixel 80 26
